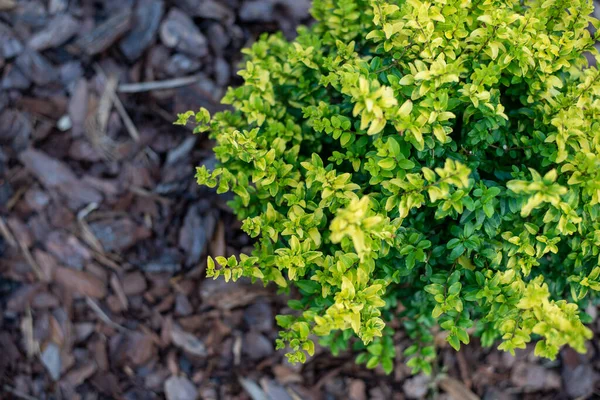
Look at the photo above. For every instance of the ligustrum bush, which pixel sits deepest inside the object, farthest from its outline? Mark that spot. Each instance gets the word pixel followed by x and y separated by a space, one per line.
pixel 419 166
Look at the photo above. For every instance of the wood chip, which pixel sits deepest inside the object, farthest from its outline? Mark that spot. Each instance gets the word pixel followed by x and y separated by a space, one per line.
pixel 20 299
pixel 51 359
pixel 43 107
pixel 16 129
pixel 217 244
pixel 10 351
pixel 147 17
pixel 78 107
pixel 417 386
pixel 36 67
pixel 68 249
pixel 256 346
pixel 274 390
pixel 58 31
pixel 253 389
pixel 181 64
pixel 456 389
pixel 79 375
pixel 192 236
pixel 105 34
pixel 179 31
pixel 182 151
pixel 187 342
pixel 182 305
pixel 225 296
pixel 140 348
pixel 80 282
pixel 83 330
pixel 10 46
pixel 56 174
pixel 180 388
pixel 134 283
pixel 118 234
pixel 50 171
pixel 9 389
pixel 13 78
pixel 7 5
pixel 45 300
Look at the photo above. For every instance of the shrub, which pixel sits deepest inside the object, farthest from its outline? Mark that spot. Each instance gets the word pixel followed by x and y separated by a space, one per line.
pixel 419 166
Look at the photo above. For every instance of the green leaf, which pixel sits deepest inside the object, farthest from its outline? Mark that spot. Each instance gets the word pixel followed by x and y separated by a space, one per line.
pixel 309 287
pixel 373 362
pixel 454 342
pixel 387 164
pixel 375 349
pixel 406 164
pixel 387 365
pixel 295 304
pixel 406 108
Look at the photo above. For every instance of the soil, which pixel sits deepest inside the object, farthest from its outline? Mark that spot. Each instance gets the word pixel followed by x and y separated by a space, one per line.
pixel 104 233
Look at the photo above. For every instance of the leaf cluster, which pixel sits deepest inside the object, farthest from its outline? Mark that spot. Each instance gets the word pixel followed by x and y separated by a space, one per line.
pixel 433 163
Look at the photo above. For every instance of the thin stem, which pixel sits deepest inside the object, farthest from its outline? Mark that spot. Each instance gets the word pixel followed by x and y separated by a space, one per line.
pixel 396 61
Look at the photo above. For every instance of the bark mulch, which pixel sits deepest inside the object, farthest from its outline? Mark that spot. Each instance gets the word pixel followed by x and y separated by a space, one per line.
pixel 104 233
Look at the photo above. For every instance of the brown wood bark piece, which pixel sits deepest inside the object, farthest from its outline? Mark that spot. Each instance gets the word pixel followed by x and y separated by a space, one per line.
pixel 147 17
pixel 105 34
pixel 80 282
pixel 58 31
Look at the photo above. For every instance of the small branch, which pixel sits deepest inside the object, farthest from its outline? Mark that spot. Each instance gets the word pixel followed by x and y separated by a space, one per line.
pixel 389 66
pixel 113 100
pixel 396 62
pixel 102 315
pixel 158 85
pixel 7 234
pixel 493 146
pixel 476 56
pixel 131 128
pixel 9 237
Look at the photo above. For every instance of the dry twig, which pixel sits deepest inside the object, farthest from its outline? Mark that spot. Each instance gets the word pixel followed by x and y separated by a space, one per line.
pixel 16 197
pixel 129 125
pixel 102 315
pixel 96 123
pixel 158 85
pixel 114 100
pixel 32 346
pixel 7 234
pixel 86 233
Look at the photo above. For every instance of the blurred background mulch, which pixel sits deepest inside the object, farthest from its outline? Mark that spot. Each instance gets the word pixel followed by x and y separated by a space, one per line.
pixel 104 233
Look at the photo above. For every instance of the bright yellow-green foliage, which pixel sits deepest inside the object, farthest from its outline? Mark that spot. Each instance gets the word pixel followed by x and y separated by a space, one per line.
pixel 431 162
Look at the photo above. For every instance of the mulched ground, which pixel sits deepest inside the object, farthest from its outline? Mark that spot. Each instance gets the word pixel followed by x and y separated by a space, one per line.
pixel 104 233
